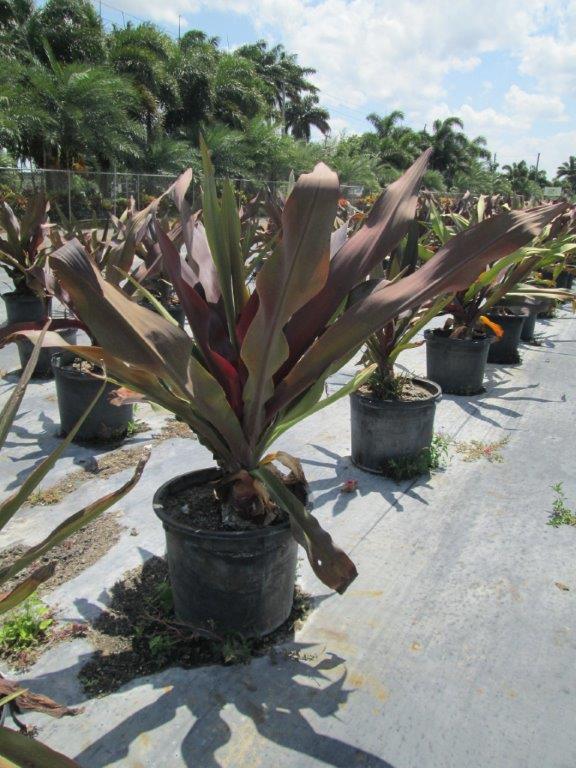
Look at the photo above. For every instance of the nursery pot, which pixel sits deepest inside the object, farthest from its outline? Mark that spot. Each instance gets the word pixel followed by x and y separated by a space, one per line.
pixel 457 365
pixel 505 350
pixel 227 581
pixel 564 280
pixel 385 430
pixel 26 307
pixel 43 368
pixel 75 391
pixel 532 306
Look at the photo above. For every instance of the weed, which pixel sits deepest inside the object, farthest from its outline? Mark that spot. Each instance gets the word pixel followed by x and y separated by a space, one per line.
pixel 236 649
pixel 427 460
pixel 140 634
pixel 25 627
pixel 135 427
pixel 477 449
pixel 561 514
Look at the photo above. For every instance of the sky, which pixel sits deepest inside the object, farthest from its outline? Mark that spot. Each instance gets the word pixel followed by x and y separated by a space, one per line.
pixel 506 67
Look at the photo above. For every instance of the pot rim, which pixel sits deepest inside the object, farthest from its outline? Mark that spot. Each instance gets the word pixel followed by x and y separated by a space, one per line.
pixel 56 362
pixel 521 314
pixel 430 335
pixel 432 387
pixel 30 295
pixel 169 523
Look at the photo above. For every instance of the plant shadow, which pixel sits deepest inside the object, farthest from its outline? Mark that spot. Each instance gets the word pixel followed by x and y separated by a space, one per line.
pixel 255 707
pixel 329 490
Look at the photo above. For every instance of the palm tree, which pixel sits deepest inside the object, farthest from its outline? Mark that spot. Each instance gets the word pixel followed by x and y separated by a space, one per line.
pixel 284 77
pixel 304 114
pixel 387 126
pixel 66 113
pixel 518 174
pixel 453 151
pixel 567 171
pixel 143 53
pixel 72 29
pixel 238 90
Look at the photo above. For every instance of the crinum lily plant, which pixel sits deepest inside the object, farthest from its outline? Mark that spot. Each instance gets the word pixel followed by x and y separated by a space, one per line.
pixel 258 358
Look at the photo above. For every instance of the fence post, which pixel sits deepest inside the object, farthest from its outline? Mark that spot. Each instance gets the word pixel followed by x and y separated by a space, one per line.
pixel 69 195
pixel 138 191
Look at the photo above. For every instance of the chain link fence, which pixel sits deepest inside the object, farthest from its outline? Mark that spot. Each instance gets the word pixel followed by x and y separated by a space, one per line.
pixel 89 197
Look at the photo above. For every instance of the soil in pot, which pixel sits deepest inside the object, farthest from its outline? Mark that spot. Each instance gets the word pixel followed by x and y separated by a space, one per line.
pixel 43 368
pixel 385 431
pixel 26 307
pixel 224 579
pixel 505 350
pixel 140 635
pixel 456 365
pixel 76 387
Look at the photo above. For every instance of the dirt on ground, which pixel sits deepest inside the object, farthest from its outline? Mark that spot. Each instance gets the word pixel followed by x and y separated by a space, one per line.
pixel 72 556
pixel 139 634
pixel 107 464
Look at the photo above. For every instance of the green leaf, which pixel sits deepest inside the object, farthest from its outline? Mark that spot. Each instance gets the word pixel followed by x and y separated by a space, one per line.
pixel 12 504
pixel 20 751
pixel 73 524
pixel 10 409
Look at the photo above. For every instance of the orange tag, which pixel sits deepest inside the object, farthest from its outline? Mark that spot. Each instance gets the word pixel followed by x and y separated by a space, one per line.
pixel 498 330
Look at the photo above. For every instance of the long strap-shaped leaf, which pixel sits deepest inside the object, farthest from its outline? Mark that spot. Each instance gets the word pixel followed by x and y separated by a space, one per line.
pixel 10 409
pixel 19 751
pixel 73 524
pixel 12 504
pixel 453 268
pixel 386 225
pixel 25 588
pixel 145 382
pixel 332 566
pixel 290 277
pixel 138 335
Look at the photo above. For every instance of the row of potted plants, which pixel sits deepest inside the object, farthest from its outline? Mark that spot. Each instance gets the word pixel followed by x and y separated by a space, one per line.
pixel 260 352
pixel 273 312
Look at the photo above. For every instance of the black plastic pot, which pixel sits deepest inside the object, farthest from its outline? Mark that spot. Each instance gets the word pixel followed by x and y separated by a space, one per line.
pixel 505 350
pixel 530 306
pixel 457 365
pixel 564 280
pixel 75 391
pixel 529 327
pixel 26 307
pixel 227 581
pixel 388 430
pixel 43 368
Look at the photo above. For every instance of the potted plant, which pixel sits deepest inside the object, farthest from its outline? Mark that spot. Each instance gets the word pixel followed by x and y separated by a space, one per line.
pixel 392 414
pixel 23 252
pixel 17 748
pixel 479 328
pixel 256 365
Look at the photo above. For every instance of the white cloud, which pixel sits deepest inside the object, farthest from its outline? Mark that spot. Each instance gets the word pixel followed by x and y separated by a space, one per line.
pixel 534 106
pixel 388 54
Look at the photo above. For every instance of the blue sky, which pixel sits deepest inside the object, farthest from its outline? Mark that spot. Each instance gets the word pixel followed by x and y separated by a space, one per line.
pixel 507 67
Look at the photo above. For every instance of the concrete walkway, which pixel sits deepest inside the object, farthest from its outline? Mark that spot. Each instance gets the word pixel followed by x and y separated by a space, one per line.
pixel 454 648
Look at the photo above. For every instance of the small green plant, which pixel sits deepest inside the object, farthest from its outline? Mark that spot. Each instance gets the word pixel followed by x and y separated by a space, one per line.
pixel 561 514
pixel 25 627
pixel 236 649
pixel 160 647
pixel 427 460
